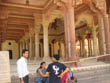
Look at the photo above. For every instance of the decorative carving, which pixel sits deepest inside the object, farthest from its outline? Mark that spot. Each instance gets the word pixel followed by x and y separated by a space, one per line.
pixel 100 4
pixel 78 2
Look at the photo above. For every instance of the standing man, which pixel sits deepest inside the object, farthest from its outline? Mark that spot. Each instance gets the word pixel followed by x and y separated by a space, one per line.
pixel 22 69
pixel 56 70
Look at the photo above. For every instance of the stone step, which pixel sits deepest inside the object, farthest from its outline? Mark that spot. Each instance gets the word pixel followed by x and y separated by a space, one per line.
pixel 90 74
pixel 93 74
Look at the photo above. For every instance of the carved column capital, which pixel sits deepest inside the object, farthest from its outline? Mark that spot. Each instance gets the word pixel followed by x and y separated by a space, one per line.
pixel 37 18
pixel 45 23
pixel 31 32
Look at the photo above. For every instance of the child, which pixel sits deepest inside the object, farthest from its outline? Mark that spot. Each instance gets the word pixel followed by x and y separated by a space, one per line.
pixel 41 77
pixel 71 77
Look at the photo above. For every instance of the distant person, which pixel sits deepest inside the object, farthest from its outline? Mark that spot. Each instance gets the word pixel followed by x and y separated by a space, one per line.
pixel 22 68
pixel 55 69
pixel 41 77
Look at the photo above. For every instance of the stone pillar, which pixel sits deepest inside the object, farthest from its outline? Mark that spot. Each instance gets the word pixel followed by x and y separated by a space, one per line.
pixel 69 22
pixel 30 47
pixel 23 45
pixel 101 36
pixel 0 46
pixel 52 47
pixel 107 33
pixel 37 26
pixel 67 52
pixel 20 48
pixel 95 45
pixel 41 50
pixel 37 46
pixel 109 20
pixel 59 49
pixel 63 49
pixel 26 44
pixel 46 43
pixel 82 48
pixel 89 47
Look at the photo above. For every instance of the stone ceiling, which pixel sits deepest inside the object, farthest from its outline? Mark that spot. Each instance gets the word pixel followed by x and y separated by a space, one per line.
pixel 38 3
pixel 108 6
pixel 16 16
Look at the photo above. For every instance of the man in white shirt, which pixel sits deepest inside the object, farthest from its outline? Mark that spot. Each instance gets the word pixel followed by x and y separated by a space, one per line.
pixel 22 69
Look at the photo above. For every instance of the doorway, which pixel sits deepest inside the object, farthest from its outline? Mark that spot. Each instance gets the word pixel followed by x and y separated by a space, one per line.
pixel 10 54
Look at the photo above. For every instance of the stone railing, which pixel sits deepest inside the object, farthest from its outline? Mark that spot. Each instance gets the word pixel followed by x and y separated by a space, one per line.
pixel 99 58
pixel 89 68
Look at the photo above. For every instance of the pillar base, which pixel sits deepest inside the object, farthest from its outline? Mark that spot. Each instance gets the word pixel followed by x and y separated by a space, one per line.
pixel 77 64
pixel 47 59
pixel 73 64
pixel 37 58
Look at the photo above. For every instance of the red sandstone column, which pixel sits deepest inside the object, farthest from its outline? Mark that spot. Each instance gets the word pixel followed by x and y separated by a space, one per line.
pixel 109 20
pixel 19 54
pixel 89 50
pixel 107 33
pixel 101 36
pixel 30 47
pixel 72 43
pixel 20 48
pixel 0 46
pixel 66 36
pixel 70 32
pixel 82 47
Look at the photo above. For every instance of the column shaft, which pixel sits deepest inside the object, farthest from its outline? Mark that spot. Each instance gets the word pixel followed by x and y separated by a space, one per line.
pixel 26 44
pixel 66 36
pixel 0 46
pixel 37 46
pixel 70 34
pixel 101 36
pixel 20 48
pixel 30 47
pixel 89 50
pixel 46 43
pixel 107 33
pixel 82 48
pixel 95 46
